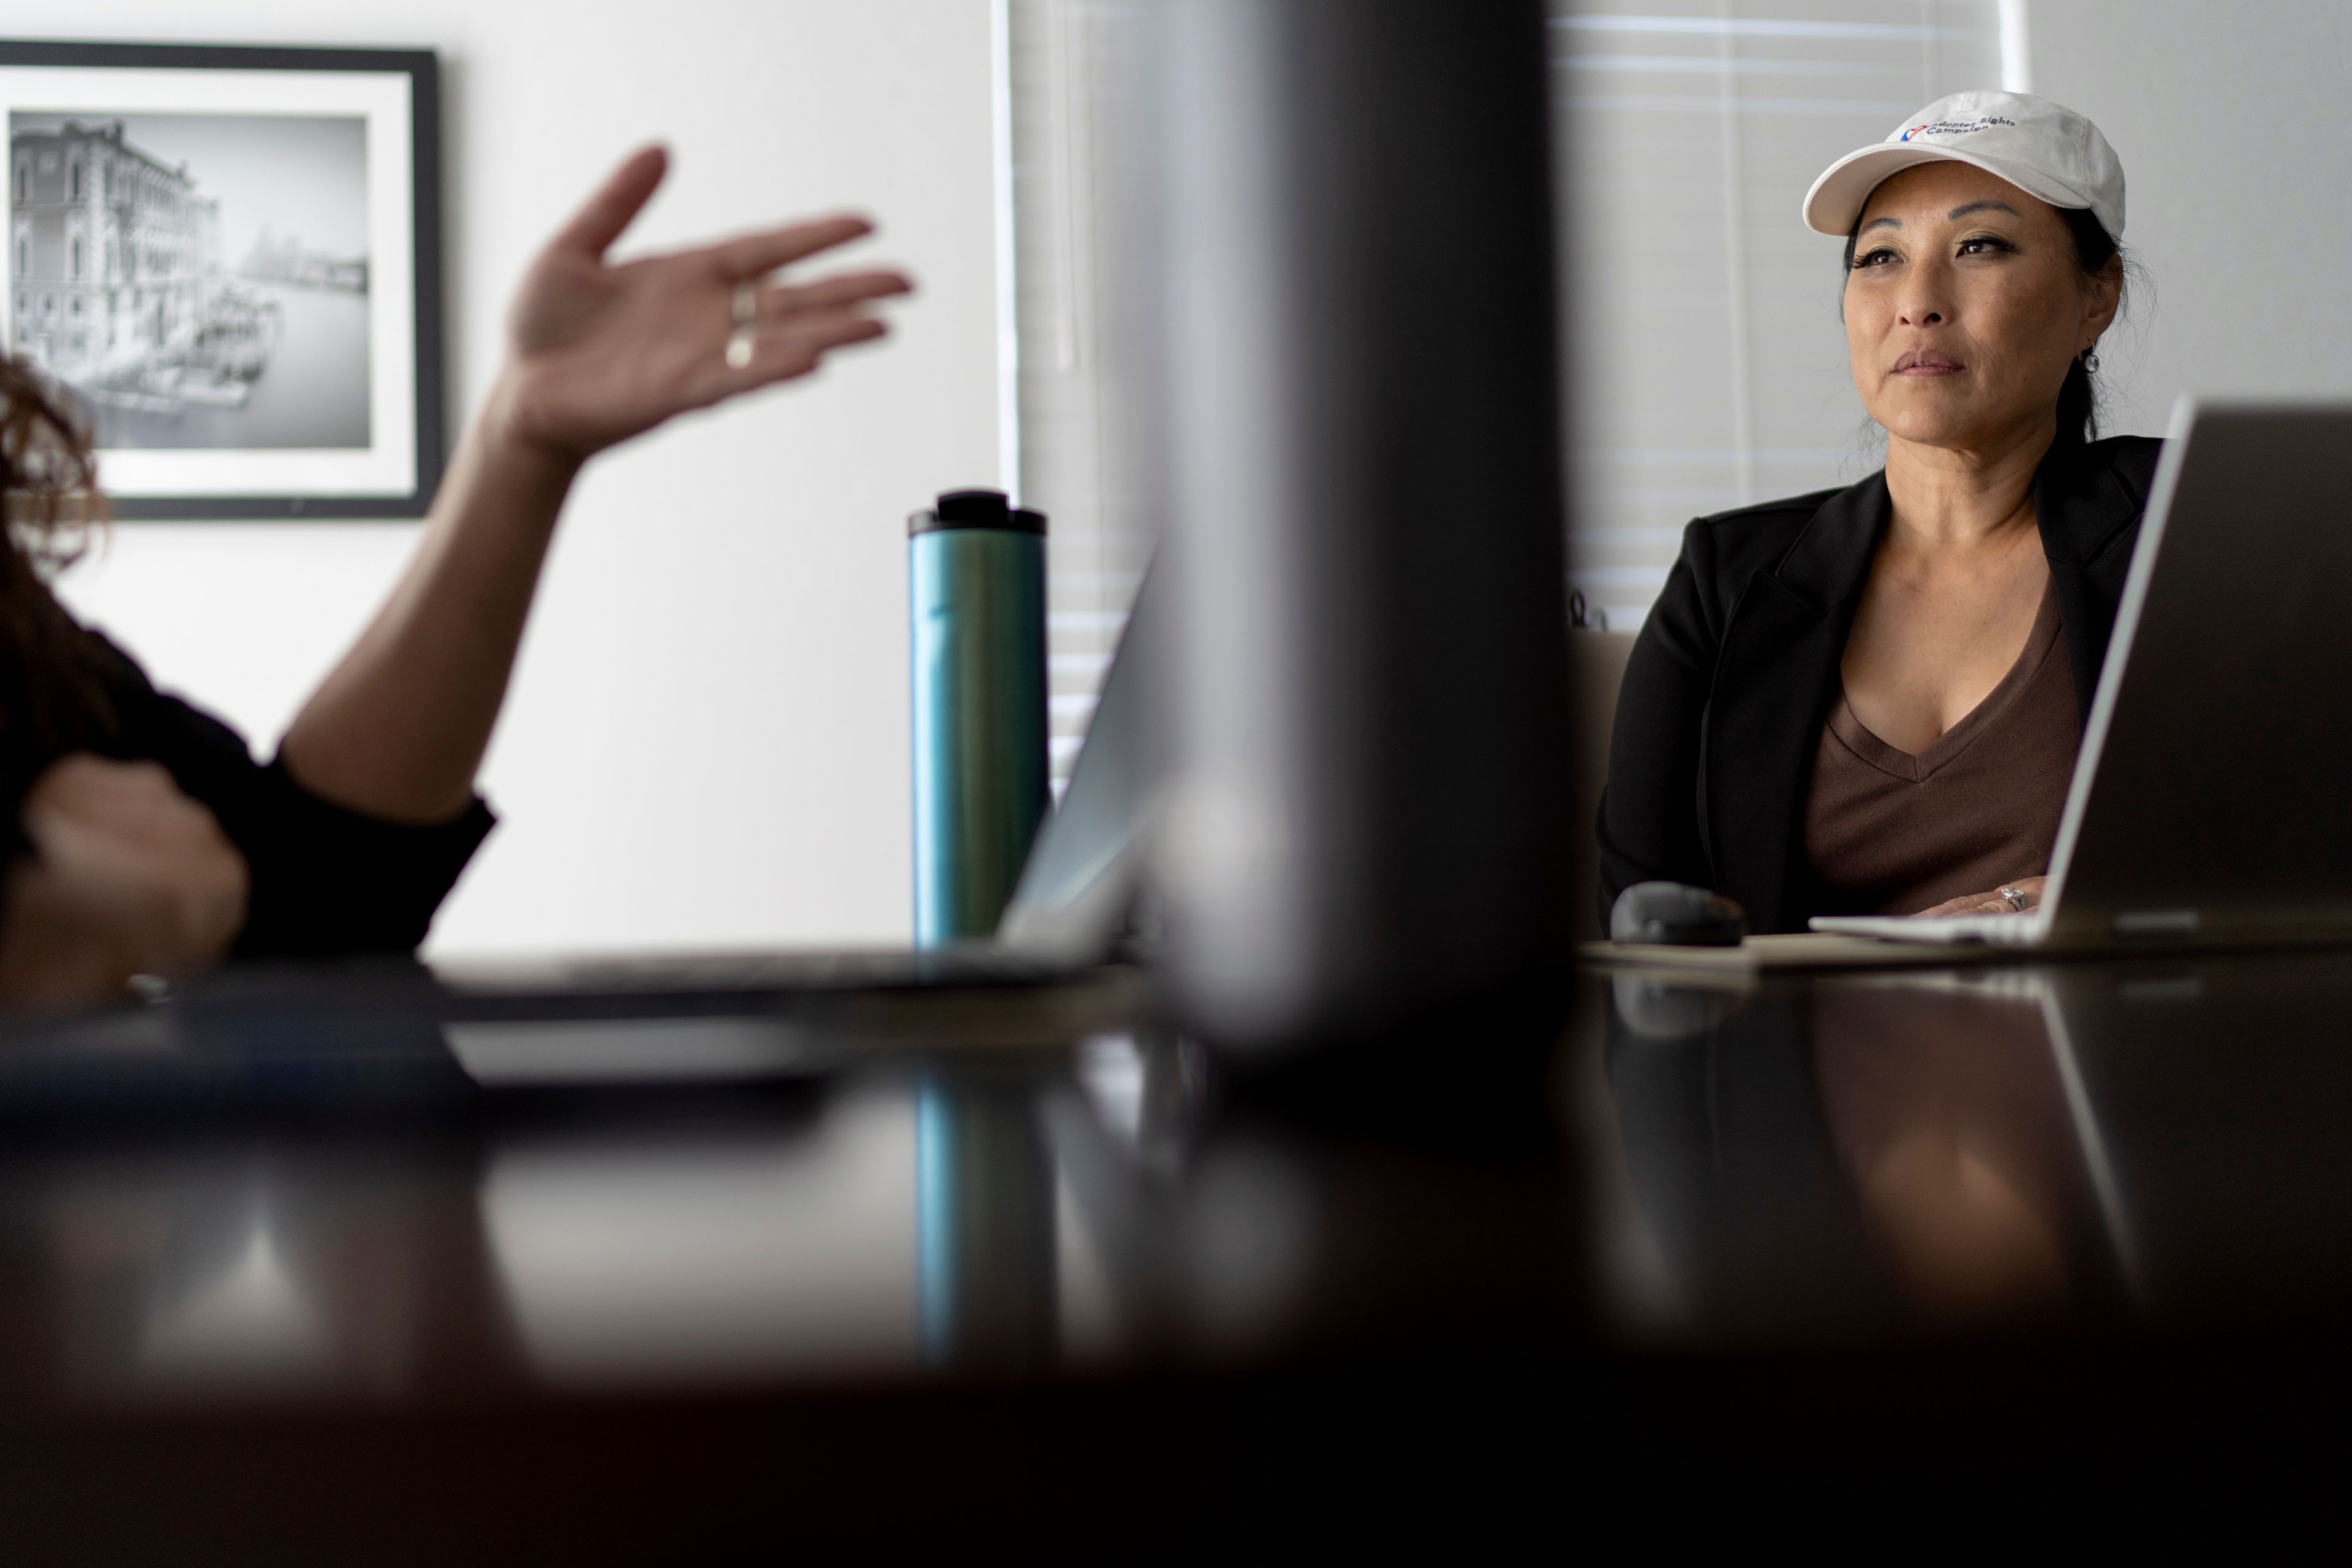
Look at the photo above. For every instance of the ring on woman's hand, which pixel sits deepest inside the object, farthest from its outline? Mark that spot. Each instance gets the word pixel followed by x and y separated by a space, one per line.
pixel 747 324
pixel 2015 896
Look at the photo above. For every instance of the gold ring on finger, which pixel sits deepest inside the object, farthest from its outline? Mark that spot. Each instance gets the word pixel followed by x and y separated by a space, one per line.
pixel 740 341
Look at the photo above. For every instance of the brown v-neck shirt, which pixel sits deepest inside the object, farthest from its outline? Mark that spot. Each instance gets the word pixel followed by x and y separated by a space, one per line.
pixel 1895 833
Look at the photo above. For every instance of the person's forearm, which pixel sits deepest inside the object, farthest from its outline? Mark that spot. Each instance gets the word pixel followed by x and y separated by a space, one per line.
pixel 597 354
pixel 397 730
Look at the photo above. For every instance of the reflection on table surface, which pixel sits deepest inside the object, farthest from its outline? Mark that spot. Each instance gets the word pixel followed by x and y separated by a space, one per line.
pixel 760 1213
pixel 1798 1161
pixel 2158 1144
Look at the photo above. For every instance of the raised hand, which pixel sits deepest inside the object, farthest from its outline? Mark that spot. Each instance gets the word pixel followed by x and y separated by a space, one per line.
pixel 599 352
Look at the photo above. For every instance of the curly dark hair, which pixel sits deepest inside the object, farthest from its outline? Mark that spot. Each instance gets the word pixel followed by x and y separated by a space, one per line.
pixel 53 694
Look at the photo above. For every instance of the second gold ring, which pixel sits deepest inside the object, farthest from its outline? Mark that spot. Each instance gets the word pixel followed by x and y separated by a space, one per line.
pixel 739 341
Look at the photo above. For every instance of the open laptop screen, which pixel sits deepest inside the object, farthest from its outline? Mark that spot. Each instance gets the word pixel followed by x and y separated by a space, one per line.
pixel 1083 871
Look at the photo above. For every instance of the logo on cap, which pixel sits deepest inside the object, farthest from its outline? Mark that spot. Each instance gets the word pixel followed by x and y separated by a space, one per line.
pixel 1955 127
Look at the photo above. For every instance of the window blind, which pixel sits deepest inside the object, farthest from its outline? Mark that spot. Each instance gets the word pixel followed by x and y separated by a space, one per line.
pixel 1068 64
pixel 1706 366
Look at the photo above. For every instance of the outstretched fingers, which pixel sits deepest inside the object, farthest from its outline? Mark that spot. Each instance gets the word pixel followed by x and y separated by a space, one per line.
pixel 816 332
pixel 615 205
pixel 754 255
pixel 831 293
pixel 795 347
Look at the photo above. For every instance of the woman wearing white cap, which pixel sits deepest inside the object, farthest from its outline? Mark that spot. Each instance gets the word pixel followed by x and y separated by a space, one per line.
pixel 1868 701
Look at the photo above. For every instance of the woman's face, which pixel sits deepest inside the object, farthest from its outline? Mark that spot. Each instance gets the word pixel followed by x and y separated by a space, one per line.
pixel 1965 306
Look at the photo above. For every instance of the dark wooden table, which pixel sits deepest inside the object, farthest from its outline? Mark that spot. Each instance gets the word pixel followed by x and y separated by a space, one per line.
pixel 1023 1275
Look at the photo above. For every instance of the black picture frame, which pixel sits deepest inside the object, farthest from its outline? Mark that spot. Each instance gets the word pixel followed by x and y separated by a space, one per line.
pixel 427 429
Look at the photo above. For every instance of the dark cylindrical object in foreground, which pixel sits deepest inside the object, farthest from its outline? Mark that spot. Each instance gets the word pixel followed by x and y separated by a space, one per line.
pixel 1371 829
pixel 976 611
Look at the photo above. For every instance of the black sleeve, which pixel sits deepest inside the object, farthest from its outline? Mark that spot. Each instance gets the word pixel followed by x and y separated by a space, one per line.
pixel 1649 823
pixel 326 880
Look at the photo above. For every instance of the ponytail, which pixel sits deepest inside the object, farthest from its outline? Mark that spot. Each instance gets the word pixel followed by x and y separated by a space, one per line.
pixel 2078 396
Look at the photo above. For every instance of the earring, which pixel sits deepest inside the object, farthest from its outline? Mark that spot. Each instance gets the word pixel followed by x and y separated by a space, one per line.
pixel 2090 361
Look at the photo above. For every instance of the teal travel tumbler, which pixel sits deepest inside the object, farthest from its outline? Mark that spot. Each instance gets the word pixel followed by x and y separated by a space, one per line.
pixel 976 605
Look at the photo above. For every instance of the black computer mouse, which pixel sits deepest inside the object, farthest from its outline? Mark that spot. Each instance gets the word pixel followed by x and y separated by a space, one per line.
pixel 1679 916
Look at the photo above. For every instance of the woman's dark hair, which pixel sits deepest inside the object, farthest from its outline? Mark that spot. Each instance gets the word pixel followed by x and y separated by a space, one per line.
pixel 2078 398
pixel 53 694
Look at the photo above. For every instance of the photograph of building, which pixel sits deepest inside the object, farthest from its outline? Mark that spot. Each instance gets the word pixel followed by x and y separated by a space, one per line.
pixel 122 282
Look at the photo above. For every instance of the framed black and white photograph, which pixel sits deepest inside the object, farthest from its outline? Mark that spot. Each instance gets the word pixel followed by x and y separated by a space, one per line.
pixel 230 258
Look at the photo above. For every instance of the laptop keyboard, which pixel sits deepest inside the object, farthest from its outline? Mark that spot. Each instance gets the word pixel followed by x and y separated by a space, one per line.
pixel 2012 930
pixel 859 970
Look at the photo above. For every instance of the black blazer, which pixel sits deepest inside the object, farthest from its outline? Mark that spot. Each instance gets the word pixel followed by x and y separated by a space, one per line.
pixel 1737 668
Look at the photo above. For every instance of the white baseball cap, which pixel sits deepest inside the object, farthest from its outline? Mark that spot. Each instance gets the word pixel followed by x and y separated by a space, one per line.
pixel 2045 149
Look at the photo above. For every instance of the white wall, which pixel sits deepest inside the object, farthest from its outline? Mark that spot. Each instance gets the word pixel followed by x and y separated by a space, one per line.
pixel 2228 120
pixel 705 742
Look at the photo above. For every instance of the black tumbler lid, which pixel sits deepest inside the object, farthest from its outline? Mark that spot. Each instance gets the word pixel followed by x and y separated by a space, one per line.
pixel 976 509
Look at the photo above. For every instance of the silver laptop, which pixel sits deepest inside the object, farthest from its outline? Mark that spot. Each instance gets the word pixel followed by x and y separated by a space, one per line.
pixel 2213 796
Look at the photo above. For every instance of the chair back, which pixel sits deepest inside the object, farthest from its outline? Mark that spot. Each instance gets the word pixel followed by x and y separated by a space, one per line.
pixel 1596 667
